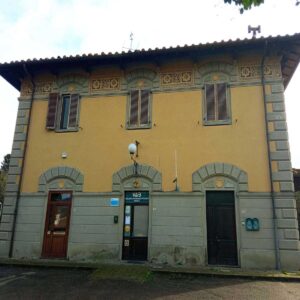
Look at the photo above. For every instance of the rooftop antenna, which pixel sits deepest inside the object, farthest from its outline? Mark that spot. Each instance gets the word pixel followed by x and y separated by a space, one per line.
pixel 131 43
pixel 254 30
pixel 131 40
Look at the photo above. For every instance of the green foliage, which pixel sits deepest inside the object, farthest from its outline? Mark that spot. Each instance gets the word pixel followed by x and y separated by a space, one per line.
pixel 296 172
pixel 2 185
pixel 3 174
pixel 139 274
pixel 245 4
pixel 5 163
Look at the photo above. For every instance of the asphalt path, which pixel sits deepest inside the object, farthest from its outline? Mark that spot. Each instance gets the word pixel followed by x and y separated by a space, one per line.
pixel 57 283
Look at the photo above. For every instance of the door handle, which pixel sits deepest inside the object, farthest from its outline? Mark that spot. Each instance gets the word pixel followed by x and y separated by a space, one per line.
pixel 49 232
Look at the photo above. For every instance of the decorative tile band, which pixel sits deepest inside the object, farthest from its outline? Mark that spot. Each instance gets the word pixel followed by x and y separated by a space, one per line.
pixel 100 84
pixel 176 78
pixel 253 71
pixel 95 84
pixel 41 88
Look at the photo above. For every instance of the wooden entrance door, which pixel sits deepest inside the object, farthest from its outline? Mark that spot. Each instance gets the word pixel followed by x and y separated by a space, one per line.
pixel 135 230
pixel 221 228
pixel 57 224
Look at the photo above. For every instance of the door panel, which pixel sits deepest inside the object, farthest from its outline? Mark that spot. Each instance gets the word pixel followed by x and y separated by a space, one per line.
pixel 135 230
pixel 221 228
pixel 57 225
pixel 140 221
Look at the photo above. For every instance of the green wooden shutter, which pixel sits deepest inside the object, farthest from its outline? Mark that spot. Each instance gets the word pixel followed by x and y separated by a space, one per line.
pixel 134 107
pixel 73 113
pixel 210 102
pixel 145 94
pixel 222 102
pixel 52 110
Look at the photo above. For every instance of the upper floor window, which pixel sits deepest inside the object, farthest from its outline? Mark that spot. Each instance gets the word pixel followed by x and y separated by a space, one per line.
pixel 63 112
pixel 216 104
pixel 139 109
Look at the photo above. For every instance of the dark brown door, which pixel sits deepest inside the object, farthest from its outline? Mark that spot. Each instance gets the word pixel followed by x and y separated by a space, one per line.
pixel 57 225
pixel 221 228
pixel 135 230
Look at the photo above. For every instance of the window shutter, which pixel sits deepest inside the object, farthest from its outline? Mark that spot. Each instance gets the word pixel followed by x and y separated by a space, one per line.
pixel 73 114
pixel 144 107
pixel 52 110
pixel 222 103
pixel 210 102
pixel 134 101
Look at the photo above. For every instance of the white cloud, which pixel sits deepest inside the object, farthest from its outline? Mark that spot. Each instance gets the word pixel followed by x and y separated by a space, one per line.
pixel 46 28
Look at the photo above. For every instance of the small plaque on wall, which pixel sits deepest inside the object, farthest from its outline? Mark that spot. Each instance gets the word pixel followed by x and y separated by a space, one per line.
pixel 114 202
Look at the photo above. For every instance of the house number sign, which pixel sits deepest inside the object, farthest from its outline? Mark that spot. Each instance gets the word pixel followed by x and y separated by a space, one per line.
pixel 137 197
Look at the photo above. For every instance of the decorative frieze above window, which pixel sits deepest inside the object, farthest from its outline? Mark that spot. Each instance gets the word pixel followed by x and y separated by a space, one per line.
pixel 41 88
pixel 176 78
pixel 148 75
pixel 217 71
pixel 102 84
pixel 253 71
pixel 73 81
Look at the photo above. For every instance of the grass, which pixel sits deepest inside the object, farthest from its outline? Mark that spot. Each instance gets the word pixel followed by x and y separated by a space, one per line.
pixel 140 274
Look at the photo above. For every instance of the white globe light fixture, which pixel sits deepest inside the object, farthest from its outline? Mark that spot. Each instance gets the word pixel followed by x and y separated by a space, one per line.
pixel 133 151
pixel 132 148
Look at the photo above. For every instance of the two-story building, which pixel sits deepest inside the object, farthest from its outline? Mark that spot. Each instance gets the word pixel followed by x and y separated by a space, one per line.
pixel 208 179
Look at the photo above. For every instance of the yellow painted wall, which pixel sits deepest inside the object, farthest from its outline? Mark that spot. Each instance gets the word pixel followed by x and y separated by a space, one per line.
pixel 100 147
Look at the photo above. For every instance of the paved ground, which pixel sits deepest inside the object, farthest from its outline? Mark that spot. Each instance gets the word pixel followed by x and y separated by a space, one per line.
pixel 55 283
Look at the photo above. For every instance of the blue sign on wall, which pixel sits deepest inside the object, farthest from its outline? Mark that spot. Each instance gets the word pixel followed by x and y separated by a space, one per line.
pixel 114 202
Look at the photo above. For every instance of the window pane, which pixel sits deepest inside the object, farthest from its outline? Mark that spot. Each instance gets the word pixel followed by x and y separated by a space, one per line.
pixel 222 105
pixel 210 102
pixel 134 99
pixel 127 221
pixel 61 217
pixel 61 196
pixel 58 217
pixel 140 222
pixel 144 107
pixel 65 112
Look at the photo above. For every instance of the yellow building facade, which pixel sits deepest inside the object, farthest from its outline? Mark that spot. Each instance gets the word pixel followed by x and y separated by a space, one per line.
pixel 177 129
pixel 208 178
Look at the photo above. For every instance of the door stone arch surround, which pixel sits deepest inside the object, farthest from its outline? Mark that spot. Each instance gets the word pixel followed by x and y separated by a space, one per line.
pixel 61 177
pixel 145 177
pixel 220 176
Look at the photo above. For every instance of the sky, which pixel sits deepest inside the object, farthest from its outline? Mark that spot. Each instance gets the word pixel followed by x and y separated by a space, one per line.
pixel 49 28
